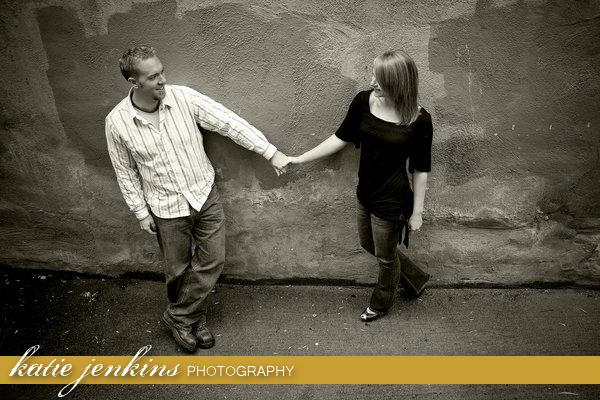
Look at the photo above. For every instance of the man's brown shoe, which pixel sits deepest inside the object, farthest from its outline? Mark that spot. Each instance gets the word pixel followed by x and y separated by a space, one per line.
pixel 183 335
pixel 205 339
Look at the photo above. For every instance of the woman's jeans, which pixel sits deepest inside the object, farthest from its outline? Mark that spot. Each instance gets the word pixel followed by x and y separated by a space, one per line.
pixel 194 251
pixel 380 237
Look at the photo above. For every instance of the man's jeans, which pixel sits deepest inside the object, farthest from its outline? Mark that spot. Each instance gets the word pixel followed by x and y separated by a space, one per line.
pixel 380 237
pixel 191 275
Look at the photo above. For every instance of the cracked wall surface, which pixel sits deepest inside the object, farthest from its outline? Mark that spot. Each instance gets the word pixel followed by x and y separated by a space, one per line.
pixel 513 87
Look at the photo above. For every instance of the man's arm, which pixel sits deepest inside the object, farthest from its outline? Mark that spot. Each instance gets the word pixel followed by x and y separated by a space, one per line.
pixel 213 116
pixel 128 178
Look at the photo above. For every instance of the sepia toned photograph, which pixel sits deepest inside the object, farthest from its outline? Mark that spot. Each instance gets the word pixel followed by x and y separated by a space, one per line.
pixel 299 178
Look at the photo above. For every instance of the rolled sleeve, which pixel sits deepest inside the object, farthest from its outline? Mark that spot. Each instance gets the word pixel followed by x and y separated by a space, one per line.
pixel 126 171
pixel 213 116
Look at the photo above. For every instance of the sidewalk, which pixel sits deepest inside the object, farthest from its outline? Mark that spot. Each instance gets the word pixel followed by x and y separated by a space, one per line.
pixel 87 316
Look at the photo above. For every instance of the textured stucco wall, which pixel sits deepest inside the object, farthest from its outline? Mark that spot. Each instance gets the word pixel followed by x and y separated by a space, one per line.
pixel 514 89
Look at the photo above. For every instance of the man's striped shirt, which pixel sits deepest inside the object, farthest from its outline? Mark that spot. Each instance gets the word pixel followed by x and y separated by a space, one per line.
pixel 167 169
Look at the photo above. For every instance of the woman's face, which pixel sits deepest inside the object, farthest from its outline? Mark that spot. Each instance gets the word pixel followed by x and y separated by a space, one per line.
pixel 377 91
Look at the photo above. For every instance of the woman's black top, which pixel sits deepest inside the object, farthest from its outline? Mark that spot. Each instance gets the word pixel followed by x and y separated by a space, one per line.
pixel 383 186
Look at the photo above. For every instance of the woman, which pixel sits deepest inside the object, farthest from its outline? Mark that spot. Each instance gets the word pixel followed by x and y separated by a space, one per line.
pixel 389 127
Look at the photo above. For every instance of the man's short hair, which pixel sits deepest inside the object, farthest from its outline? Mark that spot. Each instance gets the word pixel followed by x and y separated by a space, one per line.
pixel 131 57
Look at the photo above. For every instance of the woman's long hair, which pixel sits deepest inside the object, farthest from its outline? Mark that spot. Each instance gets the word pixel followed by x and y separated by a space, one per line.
pixel 397 75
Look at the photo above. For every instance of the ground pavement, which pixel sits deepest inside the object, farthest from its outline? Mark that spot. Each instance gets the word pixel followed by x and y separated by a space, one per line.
pixel 70 315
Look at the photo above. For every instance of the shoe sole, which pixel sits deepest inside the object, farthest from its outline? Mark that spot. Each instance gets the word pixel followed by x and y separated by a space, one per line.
pixel 176 336
pixel 205 345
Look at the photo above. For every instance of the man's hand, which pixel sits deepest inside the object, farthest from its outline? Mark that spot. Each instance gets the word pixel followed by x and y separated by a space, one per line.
pixel 279 161
pixel 147 224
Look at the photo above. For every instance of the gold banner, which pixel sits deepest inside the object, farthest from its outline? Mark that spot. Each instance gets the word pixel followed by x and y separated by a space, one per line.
pixel 147 369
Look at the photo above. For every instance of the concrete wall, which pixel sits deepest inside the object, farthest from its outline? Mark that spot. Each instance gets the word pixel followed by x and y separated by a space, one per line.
pixel 514 196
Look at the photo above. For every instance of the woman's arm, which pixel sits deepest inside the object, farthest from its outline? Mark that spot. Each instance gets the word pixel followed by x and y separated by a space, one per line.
pixel 329 146
pixel 419 181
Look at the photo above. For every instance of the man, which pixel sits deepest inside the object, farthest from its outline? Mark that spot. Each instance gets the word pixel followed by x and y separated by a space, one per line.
pixel 168 182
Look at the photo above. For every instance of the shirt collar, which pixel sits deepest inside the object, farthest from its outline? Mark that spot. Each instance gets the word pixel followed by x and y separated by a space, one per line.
pixel 165 102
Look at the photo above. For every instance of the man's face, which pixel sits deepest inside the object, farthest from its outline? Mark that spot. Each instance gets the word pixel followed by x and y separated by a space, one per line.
pixel 151 78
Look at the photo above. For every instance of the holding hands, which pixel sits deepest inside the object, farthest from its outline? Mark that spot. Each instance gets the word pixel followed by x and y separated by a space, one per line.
pixel 280 162
pixel 331 145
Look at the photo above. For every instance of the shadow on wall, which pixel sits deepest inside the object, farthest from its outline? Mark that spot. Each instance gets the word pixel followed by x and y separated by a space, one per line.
pixel 263 69
pixel 521 86
pixel 522 94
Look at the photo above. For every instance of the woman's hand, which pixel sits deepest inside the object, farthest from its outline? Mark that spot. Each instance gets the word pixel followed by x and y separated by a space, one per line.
pixel 414 222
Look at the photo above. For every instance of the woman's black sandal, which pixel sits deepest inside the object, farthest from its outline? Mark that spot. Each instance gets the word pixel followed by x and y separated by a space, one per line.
pixel 370 315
